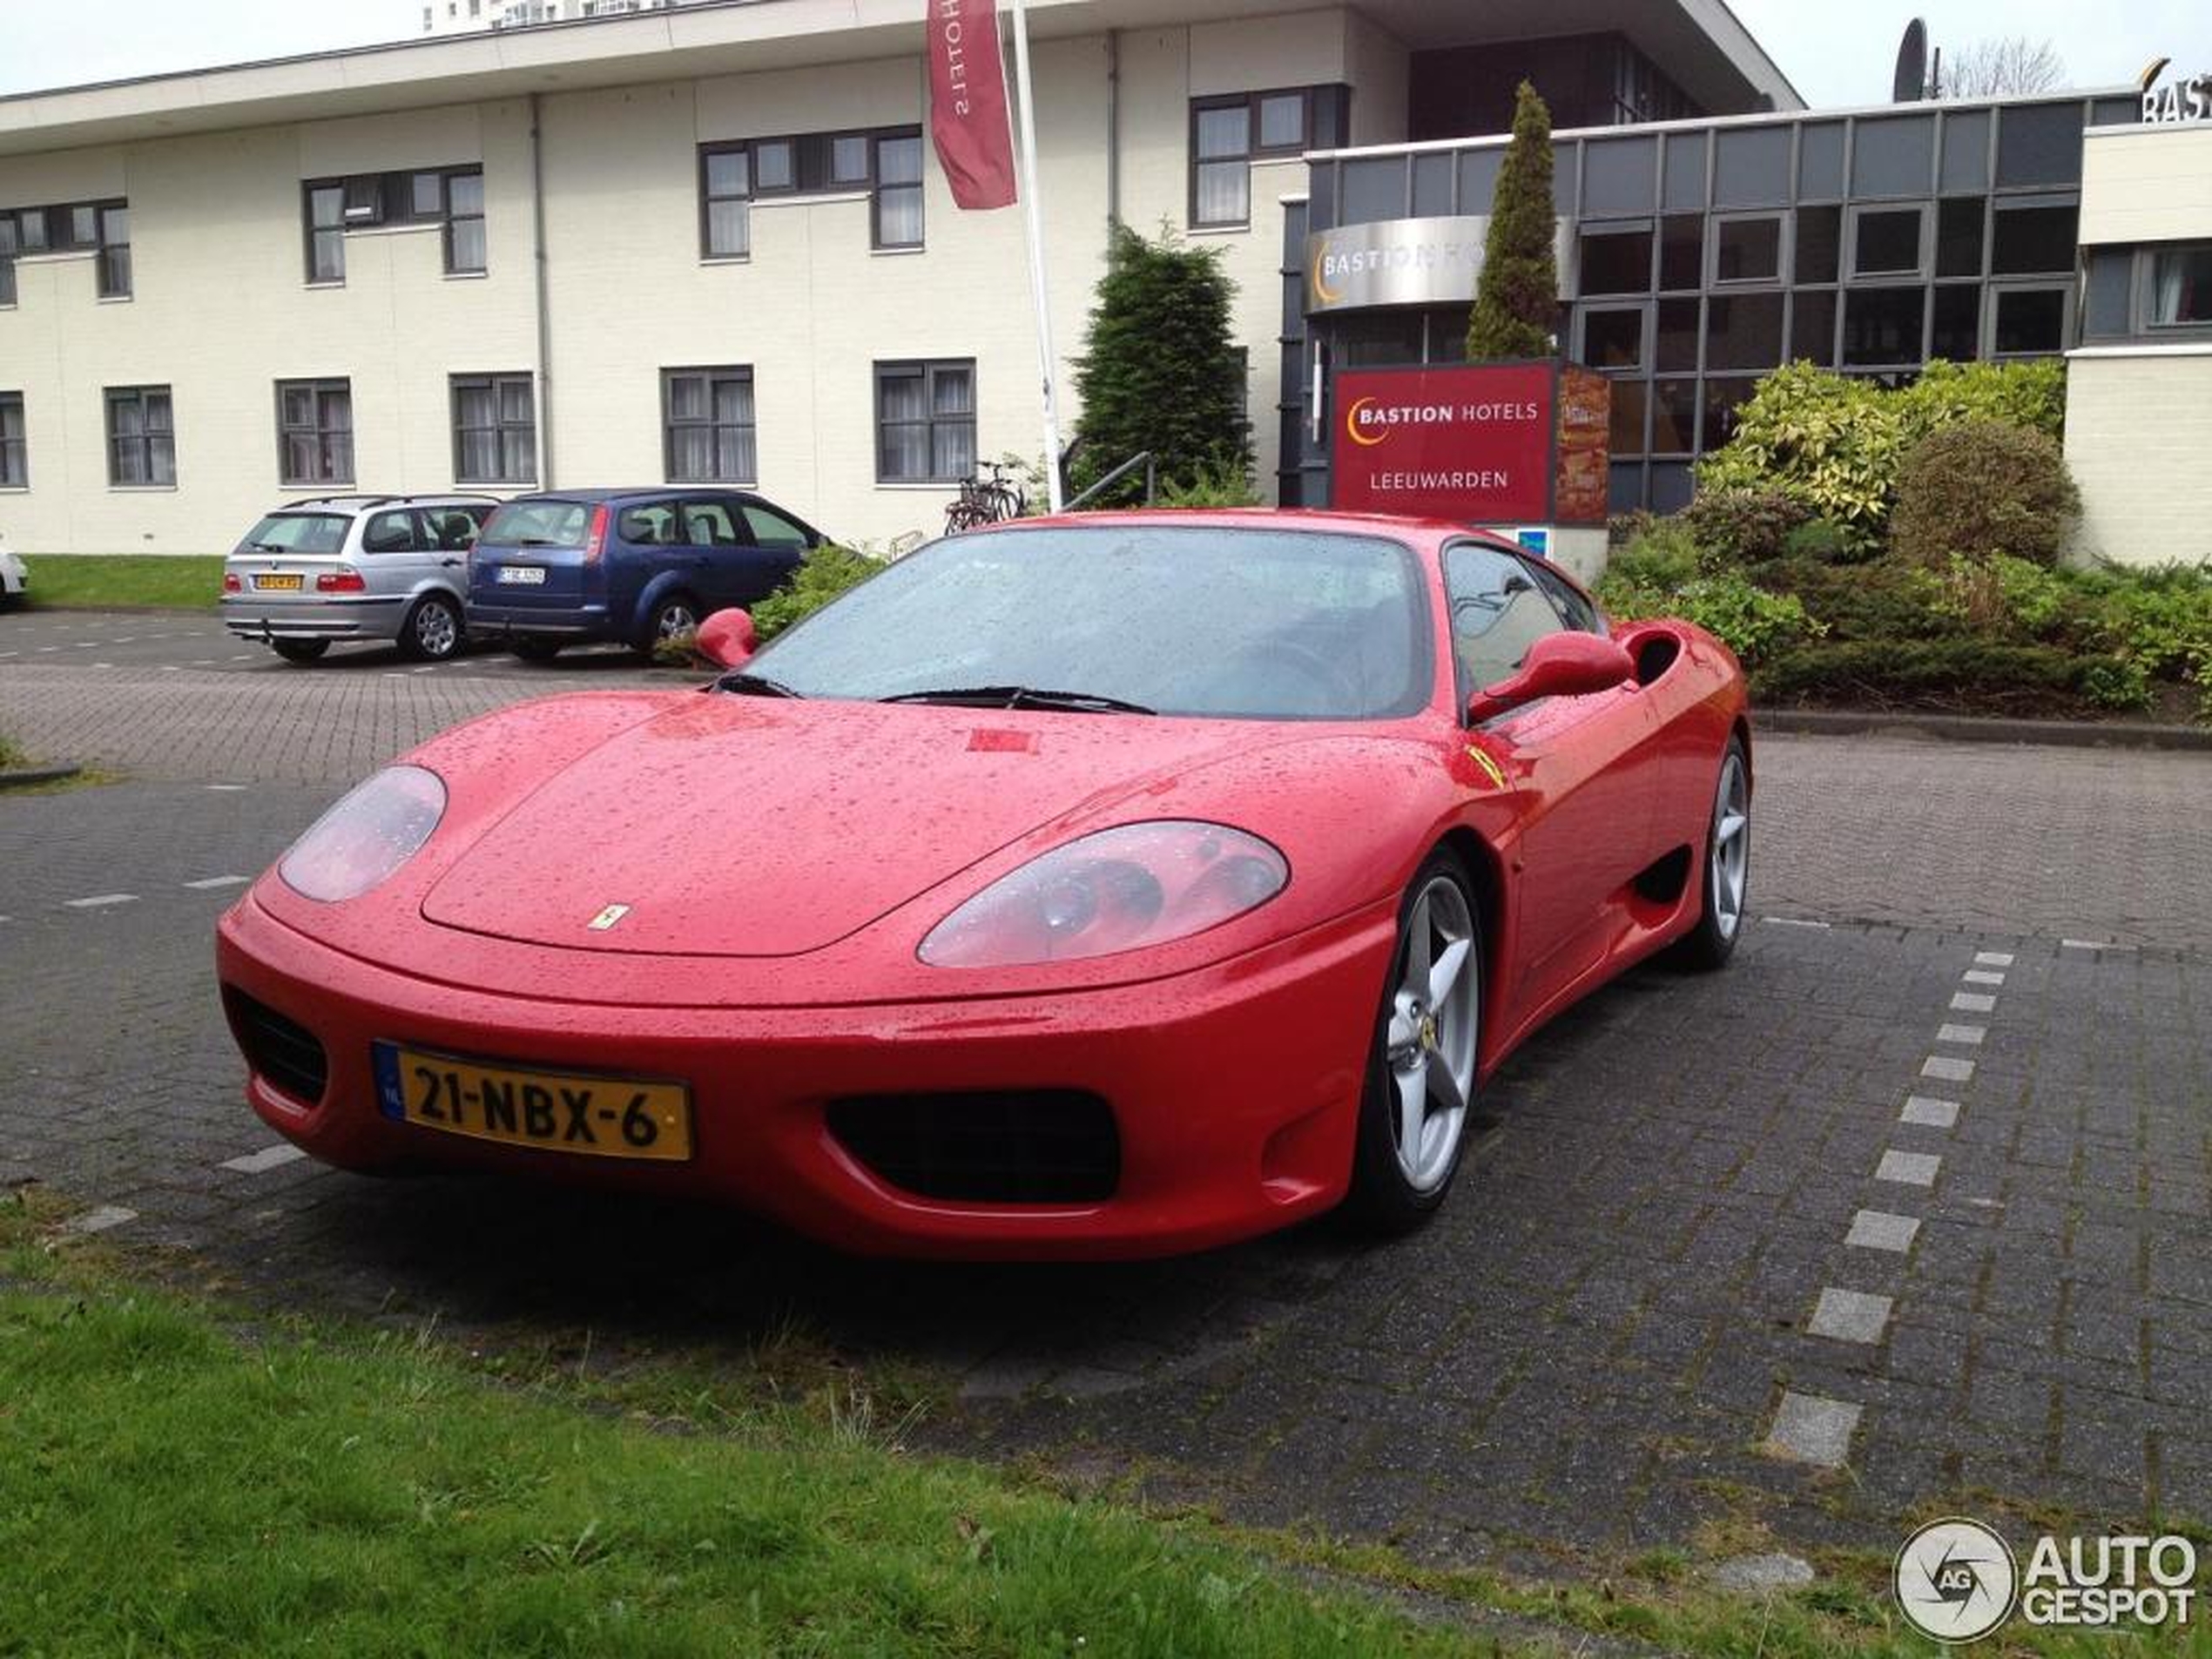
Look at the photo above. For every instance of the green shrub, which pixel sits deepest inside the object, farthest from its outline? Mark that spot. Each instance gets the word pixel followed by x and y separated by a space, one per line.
pixel 1821 540
pixel 1664 556
pixel 1879 601
pixel 1661 576
pixel 1971 675
pixel 1744 526
pixel 1830 442
pixel 1516 294
pixel 825 572
pixel 2030 395
pixel 2014 598
pixel 1982 489
pixel 1224 486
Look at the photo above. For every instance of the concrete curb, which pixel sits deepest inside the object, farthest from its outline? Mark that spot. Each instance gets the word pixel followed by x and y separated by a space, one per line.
pixel 38 605
pixel 1963 728
pixel 28 776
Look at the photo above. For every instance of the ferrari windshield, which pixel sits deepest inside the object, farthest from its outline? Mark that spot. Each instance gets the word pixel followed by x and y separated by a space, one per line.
pixel 1200 620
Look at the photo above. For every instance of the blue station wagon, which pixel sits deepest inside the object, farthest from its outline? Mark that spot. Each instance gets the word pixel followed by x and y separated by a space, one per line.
pixel 635 566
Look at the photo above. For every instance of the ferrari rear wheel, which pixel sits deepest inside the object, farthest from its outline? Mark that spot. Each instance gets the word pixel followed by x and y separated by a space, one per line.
pixel 1727 873
pixel 1421 1075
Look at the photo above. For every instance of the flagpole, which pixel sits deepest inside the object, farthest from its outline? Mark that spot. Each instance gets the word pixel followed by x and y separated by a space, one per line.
pixel 1034 211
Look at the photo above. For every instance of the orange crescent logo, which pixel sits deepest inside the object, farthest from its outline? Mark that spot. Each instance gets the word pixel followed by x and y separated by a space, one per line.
pixel 1328 295
pixel 1351 424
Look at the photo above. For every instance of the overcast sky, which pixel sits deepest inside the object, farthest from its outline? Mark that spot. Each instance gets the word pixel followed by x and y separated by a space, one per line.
pixel 1836 54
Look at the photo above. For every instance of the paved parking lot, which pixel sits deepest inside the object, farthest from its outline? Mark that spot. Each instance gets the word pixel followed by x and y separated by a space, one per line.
pixel 1912 1204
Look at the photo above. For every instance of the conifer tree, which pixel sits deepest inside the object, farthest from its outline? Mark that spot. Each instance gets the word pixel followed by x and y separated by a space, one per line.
pixel 1516 300
pixel 1160 371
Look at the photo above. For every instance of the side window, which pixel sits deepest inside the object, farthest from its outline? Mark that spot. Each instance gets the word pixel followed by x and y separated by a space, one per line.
pixel 1581 616
pixel 706 524
pixel 1498 612
pixel 389 533
pixel 453 529
pixel 652 524
pixel 772 529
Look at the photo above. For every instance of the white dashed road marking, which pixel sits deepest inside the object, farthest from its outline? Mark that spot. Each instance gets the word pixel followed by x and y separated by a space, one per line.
pixel 101 900
pixel 269 1157
pixel 1949 1070
pixel 1813 1430
pixel 1908 1169
pixel 1994 958
pixel 226 789
pixel 1928 1112
pixel 1793 922
pixel 1972 1003
pixel 1849 1316
pixel 209 883
pixel 99 1220
pixel 1982 976
pixel 1878 1230
pixel 1970 1035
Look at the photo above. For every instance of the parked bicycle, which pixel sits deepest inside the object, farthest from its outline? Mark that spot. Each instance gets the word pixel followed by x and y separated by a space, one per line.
pixel 984 500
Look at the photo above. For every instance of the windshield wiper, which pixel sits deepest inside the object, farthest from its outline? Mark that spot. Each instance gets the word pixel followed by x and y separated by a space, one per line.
pixel 1024 697
pixel 754 685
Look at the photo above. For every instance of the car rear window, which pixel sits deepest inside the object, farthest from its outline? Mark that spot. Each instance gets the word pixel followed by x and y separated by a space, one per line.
pixel 538 524
pixel 298 533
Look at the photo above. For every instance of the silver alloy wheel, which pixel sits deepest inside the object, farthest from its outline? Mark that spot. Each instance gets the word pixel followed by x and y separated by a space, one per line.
pixel 437 631
pixel 1731 846
pixel 1435 1014
pixel 677 620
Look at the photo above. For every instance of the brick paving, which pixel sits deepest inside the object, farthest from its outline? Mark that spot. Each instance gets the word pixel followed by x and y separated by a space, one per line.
pixel 1593 1345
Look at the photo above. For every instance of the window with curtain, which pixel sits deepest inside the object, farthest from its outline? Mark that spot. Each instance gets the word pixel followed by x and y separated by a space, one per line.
pixel 315 432
pixel 709 426
pixel 141 436
pixel 495 429
pixel 925 421
pixel 2181 286
pixel 15 450
pixel 1227 134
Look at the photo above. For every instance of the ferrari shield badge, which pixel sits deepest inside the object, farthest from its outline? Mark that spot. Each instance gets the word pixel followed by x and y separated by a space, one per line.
pixel 607 918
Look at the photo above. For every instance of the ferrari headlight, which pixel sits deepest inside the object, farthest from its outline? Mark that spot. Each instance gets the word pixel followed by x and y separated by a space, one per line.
pixel 371 832
pixel 1120 889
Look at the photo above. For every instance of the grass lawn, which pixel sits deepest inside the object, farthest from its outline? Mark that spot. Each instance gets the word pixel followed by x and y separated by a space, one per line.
pixel 173 1484
pixel 186 581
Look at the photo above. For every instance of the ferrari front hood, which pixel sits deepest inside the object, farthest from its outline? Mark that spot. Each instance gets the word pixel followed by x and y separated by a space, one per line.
pixel 751 826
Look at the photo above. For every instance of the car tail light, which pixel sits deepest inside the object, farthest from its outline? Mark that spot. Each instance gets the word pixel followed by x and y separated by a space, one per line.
pixel 596 543
pixel 341 582
pixel 231 583
pixel 1121 889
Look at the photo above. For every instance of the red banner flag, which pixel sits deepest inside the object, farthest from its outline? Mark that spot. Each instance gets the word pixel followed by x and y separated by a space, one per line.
pixel 967 121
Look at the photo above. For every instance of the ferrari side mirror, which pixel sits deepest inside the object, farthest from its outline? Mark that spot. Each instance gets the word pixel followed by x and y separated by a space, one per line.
pixel 728 638
pixel 1563 665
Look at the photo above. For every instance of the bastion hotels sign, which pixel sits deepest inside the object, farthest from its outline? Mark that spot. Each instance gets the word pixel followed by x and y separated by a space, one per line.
pixel 1479 443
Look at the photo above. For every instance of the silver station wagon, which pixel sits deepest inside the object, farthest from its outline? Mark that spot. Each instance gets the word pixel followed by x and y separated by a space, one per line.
pixel 355 567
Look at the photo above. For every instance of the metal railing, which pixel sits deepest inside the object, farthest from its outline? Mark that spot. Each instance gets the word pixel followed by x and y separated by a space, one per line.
pixel 1141 458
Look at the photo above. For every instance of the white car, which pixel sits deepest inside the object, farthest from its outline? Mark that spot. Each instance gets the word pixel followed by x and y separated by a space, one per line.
pixel 15 579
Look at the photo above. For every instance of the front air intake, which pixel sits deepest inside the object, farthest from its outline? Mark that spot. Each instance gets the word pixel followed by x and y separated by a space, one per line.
pixel 282 1052
pixel 1033 1146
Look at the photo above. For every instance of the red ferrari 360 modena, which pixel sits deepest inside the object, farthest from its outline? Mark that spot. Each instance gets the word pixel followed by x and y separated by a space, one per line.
pixel 1103 886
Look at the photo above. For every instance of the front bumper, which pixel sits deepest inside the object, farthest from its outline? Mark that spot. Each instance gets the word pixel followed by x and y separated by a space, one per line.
pixel 335 617
pixel 1235 1089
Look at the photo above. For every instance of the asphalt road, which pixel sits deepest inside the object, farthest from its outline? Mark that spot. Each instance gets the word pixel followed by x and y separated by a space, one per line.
pixel 1910 1206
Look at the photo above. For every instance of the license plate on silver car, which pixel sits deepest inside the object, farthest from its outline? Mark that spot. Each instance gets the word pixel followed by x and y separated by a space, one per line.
pixel 528 576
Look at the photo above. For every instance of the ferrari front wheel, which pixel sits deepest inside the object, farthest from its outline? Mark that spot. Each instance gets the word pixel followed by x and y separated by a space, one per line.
pixel 1727 874
pixel 1420 1074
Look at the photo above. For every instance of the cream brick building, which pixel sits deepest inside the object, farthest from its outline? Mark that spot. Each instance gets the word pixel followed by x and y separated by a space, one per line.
pixel 208 280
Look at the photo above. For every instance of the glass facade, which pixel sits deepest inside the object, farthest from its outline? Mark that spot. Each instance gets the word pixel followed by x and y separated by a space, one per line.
pixel 1704 255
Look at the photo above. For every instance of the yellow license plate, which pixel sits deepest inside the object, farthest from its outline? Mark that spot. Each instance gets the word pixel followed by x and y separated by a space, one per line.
pixel 277 583
pixel 563 1111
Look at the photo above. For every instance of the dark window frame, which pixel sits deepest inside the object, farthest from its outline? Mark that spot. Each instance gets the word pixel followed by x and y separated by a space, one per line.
pixel 927 369
pixel 1718 224
pixel 671 424
pixel 1856 214
pixel 319 431
pixel 15 452
pixel 1255 149
pixel 67 229
pixel 497 384
pixel 2144 304
pixel 814 174
pixel 141 442
pixel 1995 292
pixel 387 200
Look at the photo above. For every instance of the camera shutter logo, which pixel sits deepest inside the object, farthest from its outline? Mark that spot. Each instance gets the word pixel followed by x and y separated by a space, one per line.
pixel 1955 1580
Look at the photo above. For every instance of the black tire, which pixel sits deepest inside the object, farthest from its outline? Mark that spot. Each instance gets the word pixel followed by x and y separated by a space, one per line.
pixel 1709 944
pixel 678 614
pixel 433 631
pixel 535 651
pixel 1383 1198
pixel 299 651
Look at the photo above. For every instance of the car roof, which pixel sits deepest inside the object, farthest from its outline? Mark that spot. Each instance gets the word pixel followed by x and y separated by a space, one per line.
pixel 656 492
pixel 363 503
